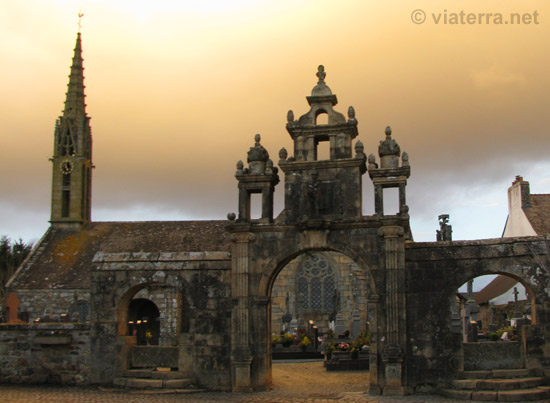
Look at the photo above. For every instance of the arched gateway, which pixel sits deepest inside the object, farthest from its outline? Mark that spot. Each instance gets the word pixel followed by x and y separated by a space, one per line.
pixel 323 211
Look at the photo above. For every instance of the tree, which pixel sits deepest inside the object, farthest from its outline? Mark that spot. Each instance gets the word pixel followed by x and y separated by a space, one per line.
pixel 12 255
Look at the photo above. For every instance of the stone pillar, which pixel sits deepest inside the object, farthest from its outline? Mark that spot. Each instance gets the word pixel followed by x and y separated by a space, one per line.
pixel 394 348
pixel 267 203
pixel 260 316
pixel 241 356
pixel 378 200
pixel 402 197
pixel 299 148
pixel 244 203
pixel 310 149
pixel 372 312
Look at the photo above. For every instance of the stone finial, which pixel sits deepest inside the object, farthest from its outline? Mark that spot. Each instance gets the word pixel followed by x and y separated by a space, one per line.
pixel 405 159
pixel 290 116
pixel 372 162
pixel 351 113
pixel 231 216
pixel 283 154
pixel 389 147
pixel 359 149
pixel 269 167
pixel 240 165
pixel 321 74
pixel 257 157
pixel 258 152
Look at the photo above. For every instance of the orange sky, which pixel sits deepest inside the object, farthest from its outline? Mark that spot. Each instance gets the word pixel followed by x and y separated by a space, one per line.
pixel 177 90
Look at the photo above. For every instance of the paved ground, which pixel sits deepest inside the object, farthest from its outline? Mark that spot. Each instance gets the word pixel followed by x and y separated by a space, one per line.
pixel 292 383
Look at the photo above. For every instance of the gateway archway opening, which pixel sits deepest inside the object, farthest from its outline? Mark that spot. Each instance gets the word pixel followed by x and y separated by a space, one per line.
pixel 493 309
pixel 319 309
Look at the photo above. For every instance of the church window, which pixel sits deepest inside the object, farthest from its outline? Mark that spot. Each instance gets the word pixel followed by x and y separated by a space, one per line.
pixel 65 203
pixel 315 283
pixel 67 143
pixel 66 180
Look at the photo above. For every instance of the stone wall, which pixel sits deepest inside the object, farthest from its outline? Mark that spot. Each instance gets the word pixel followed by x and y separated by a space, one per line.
pixel 50 305
pixel 45 353
pixel 492 355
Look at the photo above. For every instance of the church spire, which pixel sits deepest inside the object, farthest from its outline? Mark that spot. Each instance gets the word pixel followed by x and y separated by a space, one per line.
pixel 74 103
pixel 72 156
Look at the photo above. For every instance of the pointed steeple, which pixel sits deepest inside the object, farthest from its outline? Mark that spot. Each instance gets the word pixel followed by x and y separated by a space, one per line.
pixel 74 103
pixel 72 156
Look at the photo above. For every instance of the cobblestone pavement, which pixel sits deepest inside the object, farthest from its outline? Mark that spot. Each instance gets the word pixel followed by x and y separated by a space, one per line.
pixel 292 383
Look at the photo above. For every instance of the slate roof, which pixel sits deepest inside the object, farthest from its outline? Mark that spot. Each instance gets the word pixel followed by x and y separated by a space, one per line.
pixel 64 257
pixel 539 213
pixel 495 288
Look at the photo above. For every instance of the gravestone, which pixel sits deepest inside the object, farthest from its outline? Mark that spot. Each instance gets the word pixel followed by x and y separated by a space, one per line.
pixel 339 327
pixel 12 305
pixel 355 324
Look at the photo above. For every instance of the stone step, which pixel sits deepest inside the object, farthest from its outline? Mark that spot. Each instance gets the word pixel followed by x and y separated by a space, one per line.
pixel 519 395
pixel 167 375
pixel 496 373
pixel 154 374
pixel 149 383
pixel 497 384
pixel 137 373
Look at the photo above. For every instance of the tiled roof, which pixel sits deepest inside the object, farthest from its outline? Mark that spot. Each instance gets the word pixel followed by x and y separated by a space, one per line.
pixel 64 258
pixel 539 213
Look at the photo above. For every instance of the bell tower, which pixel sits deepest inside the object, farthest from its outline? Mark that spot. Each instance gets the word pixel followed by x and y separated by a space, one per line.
pixel 72 155
pixel 317 188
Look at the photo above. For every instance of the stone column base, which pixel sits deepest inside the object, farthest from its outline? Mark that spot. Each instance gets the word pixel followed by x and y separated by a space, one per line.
pixel 394 379
pixel 241 376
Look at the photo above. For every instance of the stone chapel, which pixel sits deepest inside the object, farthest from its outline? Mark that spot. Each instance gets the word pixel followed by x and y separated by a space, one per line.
pixel 208 295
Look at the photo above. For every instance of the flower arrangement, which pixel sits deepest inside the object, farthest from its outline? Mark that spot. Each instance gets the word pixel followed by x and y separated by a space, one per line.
pixel 305 341
pixel 275 339
pixel 362 341
pixel 148 336
pixel 343 346
pixel 288 339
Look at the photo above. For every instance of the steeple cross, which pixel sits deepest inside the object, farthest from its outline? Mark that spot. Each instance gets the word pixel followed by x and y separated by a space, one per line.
pixel 80 15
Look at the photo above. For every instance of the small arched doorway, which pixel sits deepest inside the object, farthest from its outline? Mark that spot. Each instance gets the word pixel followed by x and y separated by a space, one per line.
pixel 143 321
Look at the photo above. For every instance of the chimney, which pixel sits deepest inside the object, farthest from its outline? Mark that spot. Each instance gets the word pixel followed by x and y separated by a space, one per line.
pixel 519 194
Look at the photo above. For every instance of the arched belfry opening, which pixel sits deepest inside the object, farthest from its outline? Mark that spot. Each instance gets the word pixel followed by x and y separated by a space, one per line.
pixel 322 215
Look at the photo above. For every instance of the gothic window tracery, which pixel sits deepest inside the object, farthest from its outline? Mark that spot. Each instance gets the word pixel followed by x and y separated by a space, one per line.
pixel 315 283
pixel 66 143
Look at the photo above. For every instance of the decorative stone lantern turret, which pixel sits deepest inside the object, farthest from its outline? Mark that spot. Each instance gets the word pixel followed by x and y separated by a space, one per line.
pixel 260 177
pixel 390 174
